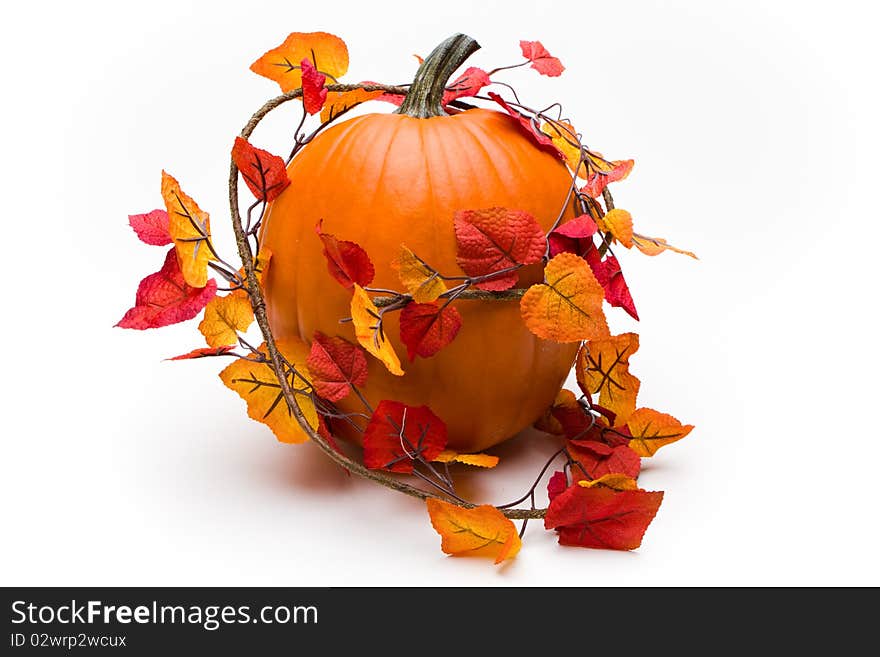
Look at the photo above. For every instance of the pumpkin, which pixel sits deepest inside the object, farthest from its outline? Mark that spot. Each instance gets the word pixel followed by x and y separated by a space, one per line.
pixel 382 180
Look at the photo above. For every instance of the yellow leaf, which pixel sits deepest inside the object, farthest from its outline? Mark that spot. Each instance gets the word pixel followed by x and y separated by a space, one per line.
pixel 261 266
pixel 620 224
pixel 419 279
pixel 567 307
pixel 482 531
pixel 225 317
pixel 615 480
pixel 369 332
pixel 603 368
pixel 339 102
pixel 480 460
pixel 652 430
pixel 190 228
pixel 326 51
pixel 255 382
pixel 655 245
pixel 566 139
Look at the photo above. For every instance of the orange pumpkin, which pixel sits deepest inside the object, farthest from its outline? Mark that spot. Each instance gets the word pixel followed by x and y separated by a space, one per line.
pixel 385 179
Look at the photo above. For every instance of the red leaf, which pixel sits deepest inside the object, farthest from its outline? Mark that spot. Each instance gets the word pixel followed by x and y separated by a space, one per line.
pixel 425 328
pixel 335 365
pixel 494 239
pixel 527 125
pixel 467 84
pixel 314 92
pixel 575 236
pixel 264 173
pixel 602 517
pixel 597 459
pixel 576 423
pixel 599 180
pixel 151 228
pixel 397 434
pixel 557 484
pixel 610 277
pixel 542 61
pixel 164 298
pixel 205 352
pixel 347 262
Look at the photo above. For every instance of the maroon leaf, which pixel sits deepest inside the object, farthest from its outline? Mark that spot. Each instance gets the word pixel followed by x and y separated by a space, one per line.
pixel 151 228
pixel 425 328
pixel 397 435
pixel 347 262
pixel 575 236
pixel 494 239
pixel 264 173
pixel 165 298
pixel 335 365
pixel 542 61
pixel 597 459
pixel 602 517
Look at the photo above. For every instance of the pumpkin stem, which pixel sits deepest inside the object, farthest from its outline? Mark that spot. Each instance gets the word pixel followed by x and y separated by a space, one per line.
pixel 425 97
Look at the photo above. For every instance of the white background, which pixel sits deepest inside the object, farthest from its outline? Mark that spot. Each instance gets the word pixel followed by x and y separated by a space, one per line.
pixel 754 129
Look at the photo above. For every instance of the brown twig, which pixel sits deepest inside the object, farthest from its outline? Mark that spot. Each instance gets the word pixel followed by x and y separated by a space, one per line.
pixel 259 306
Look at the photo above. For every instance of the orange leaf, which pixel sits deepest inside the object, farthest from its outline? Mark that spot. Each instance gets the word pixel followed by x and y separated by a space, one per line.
pixel 652 430
pixel 255 382
pixel 655 245
pixel 205 352
pixel 601 172
pixel 369 331
pixel 613 480
pixel 224 318
pixel 422 282
pixel 566 139
pixel 620 224
pixel 190 228
pixel 567 307
pixel 480 460
pixel 265 174
pixel 482 531
pixel 339 102
pixel 603 369
pixel 327 52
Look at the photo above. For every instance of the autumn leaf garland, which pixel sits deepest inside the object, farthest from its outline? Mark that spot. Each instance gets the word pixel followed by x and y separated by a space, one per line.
pixel 595 498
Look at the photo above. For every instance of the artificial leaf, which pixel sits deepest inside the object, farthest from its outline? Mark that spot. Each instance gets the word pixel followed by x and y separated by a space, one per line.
pixel 494 239
pixel 190 228
pixel 610 277
pixel 261 266
pixel 327 52
pixel 655 245
pixel 467 84
pixel 600 517
pixel 557 484
pixel 567 307
pixel 314 93
pixel 614 480
pixel 347 262
pixel 336 366
pixel 548 422
pixel 423 283
pixel 574 236
pixel 480 531
pixel 166 298
pixel 651 430
pixel 565 138
pixel 620 224
pixel 151 228
pixel 205 352
pixel 596 459
pixel 264 173
pixel 480 460
pixel 527 123
pixel 425 328
pixel 369 331
pixel 398 435
pixel 226 317
pixel 542 61
pixel 339 102
pixel 255 382
pixel 601 172
pixel 603 368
